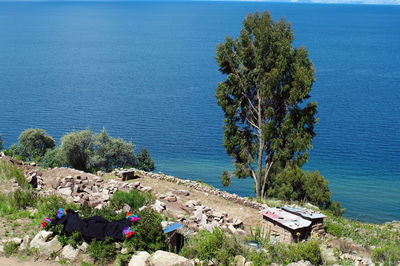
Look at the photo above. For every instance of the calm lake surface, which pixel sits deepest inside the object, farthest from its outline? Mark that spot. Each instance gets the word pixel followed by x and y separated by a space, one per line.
pixel 145 71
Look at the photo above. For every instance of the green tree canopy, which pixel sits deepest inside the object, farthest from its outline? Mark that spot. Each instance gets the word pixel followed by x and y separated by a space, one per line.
pixel 145 162
pixel 85 150
pixel 110 153
pixel 1 142
pixel 267 118
pixel 76 149
pixel 34 143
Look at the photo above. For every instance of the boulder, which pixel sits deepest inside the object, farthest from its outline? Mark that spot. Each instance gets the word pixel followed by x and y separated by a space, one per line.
pixel 141 258
pixel 83 247
pixel 25 243
pixel 240 260
pixel 300 263
pixel 65 191
pixel 45 247
pixel 69 253
pixel 159 206
pixel 163 258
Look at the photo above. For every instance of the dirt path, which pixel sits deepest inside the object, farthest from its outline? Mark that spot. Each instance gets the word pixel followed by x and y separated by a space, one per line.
pixel 29 262
pixel 249 216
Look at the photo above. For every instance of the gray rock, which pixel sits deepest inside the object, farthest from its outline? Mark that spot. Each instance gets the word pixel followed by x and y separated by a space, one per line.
pixel 240 260
pixel 69 253
pixel 300 263
pixel 163 258
pixel 45 248
pixel 83 247
pixel 141 258
pixel 126 208
pixel 159 206
pixel 198 213
pixel 25 243
pixel 65 191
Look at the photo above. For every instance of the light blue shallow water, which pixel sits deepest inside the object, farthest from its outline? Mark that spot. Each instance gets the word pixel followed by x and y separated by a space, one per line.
pixel 146 72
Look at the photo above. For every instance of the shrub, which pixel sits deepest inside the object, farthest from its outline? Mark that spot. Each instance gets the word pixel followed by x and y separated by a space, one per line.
pixel 388 255
pixel 216 245
pixel 34 142
pixel 135 199
pixel 9 171
pixel 102 251
pixel 10 248
pixel 336 209
pixel 1 142
pixel 75 239
pixel 87 151
pixel 292 183
pixel 23 198
pixel 334 229
pixel 149 233
pixel 110 153
pixel 308 250
pixel 76 149
pixel 52 158
pixel 145 162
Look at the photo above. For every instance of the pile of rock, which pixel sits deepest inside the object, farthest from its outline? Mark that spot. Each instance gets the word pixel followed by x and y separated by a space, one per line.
pixel 206 218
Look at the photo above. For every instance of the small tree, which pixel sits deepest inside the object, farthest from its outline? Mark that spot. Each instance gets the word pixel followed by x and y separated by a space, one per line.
pixel 34 143
pixel 77 148
pixel 110 153
pixel 1 142
pixel 263 98
pixel 145 162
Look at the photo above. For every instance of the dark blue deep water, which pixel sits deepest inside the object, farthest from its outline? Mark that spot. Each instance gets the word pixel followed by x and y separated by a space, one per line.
pixel 146 72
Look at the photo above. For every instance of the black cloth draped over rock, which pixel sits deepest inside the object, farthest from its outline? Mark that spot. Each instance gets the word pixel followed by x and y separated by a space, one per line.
pixel 94 227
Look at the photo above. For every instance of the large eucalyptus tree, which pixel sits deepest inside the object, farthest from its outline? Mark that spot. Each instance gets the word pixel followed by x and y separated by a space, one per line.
pixel 264 97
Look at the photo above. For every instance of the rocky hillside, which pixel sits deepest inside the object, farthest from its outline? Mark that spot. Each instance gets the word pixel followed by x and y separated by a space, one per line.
pixel 195 205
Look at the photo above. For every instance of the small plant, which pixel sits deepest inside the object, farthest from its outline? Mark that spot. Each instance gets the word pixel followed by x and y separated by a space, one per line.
pixel 149 234
pixel 135 199
pixel 260 235
pixel 102 251
pixel 387 255
pixel 10 248
pixel 23 198
pixel 216 245
pixel 75 239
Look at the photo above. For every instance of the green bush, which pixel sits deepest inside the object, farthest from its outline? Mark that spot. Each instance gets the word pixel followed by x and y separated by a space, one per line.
pixel 1 142
pixel 34 143
pixel 388 255
pixel 102 251
pixel 9 171
pixel 52 158
pixel 334 229
pixel 308 250
pixel 75 239
pixel 292 183
pixel 144 160
pixel 10 248
pixel 149 234
pixel 87 151
pixel 76 149
pixel 135 199
pixel 110 153
pixel 335 208
pixel 22 199
pixel 216 245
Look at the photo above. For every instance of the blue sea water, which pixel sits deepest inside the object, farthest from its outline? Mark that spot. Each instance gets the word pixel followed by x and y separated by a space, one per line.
pixel 145 71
